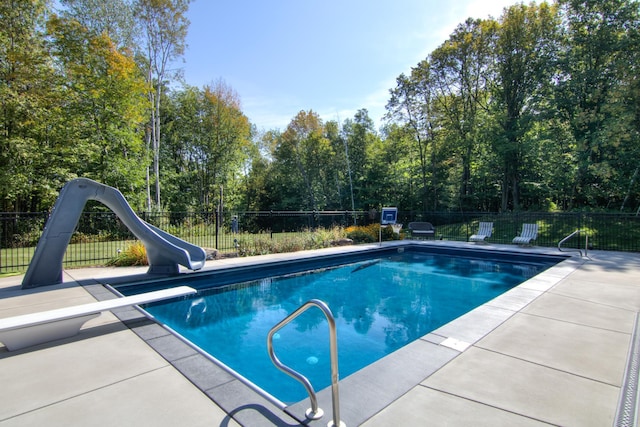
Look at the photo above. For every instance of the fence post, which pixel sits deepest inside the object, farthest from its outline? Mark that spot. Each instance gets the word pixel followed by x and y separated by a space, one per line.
pixel 216 220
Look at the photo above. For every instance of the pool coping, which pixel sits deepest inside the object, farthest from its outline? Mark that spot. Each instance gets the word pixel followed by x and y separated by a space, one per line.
pixel 366 392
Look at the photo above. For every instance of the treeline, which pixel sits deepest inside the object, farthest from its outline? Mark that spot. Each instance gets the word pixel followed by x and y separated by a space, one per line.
pixel 537 109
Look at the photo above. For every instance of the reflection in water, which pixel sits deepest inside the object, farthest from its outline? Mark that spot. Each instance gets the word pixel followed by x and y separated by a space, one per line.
pixel 379 306
pixel 196 311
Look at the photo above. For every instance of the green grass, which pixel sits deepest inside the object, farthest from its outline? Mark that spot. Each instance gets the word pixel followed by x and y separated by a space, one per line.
pixel 77 255
pixel 612 234
pixel 101 253
pixel 9 274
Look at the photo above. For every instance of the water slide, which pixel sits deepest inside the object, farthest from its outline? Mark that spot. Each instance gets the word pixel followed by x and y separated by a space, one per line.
pixel 165 252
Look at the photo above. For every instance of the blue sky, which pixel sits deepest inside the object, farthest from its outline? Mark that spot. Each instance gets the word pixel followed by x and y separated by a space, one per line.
pixel 330 56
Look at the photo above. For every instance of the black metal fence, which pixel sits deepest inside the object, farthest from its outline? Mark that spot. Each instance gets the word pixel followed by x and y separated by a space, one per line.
pixel 99 236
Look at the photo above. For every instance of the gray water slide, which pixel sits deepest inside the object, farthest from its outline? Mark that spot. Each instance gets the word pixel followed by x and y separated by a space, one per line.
pixel 164 251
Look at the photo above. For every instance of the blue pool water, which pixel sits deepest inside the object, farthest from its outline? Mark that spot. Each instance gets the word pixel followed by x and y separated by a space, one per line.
pixel 379 304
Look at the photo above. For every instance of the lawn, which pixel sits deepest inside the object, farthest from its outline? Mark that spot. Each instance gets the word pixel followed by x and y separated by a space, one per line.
pixel 608 233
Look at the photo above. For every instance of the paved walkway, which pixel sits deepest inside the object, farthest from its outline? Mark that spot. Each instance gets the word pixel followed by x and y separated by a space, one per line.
pixel 558 361
pixel 555 355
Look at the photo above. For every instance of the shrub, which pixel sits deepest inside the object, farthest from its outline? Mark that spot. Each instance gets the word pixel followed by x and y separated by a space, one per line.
pixel 135 254
pixel 370 233
pixel 262 244
pixel 324 237
pixel 361 236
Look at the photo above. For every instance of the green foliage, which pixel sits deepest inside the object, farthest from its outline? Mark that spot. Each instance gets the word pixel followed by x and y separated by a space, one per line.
pixel 536 109
pixel 598 60
pixel 359 235
pixel 27 103
pixel 207 141
pixel 303 159
pixel 134 254
pixel 104 100
pixel 262 244
pixel 370 233
pixel 326 237
pixel 526 43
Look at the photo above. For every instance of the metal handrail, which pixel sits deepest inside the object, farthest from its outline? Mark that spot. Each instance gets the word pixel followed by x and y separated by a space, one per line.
pixel 314 412
pixel 586 242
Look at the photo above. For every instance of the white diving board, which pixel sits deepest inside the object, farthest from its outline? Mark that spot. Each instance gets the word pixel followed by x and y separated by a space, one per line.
pixel 30 329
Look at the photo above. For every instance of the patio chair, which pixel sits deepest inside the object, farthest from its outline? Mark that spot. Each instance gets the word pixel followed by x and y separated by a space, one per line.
pixel 529 233
pixel 484 231
pixel 422 229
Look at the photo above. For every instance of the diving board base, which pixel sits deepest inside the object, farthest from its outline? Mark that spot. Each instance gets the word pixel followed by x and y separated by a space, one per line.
pixel 16 339
pixel 37 328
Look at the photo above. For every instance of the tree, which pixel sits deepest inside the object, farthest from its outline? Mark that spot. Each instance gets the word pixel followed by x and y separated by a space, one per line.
pixel 460 69
pixel 342 195
pixel 597 40
pixel 526 48
pixel 27 99
pixel 358 134
pixel 390 171
pixel 300 174
pixel 207 141
pixel 226 134
pixel 165 26
pixel 253 194
pixel 103 92
pixel 630 95
pixel 115 18
pixel 412 102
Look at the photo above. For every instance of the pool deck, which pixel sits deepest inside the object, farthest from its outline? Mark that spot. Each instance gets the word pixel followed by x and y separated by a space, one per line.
pixel 553 351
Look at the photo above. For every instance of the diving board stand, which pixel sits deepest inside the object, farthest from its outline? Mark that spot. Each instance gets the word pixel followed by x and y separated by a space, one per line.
pixel 30 329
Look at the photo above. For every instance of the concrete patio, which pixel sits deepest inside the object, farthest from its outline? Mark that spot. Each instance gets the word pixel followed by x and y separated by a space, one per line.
pixel 553 351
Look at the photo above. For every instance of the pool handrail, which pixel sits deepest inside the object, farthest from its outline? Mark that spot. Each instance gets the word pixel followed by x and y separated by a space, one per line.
pixel 586 242
pixel 313 413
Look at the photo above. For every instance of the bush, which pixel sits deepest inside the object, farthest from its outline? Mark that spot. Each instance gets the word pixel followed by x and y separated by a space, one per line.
pixel 325 237
pixel 361 236
pixel 370 233
pixel 135 254
pixel 262 244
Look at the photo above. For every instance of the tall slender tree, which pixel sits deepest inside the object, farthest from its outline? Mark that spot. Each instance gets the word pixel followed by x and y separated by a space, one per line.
pixel 412 102
pixel 206 144
pixel 165 26
pixel 358 134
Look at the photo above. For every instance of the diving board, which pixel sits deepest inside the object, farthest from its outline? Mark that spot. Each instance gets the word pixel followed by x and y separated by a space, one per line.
pixel 30 329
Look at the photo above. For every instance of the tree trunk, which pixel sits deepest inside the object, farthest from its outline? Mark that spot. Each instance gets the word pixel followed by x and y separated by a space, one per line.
pixel 156 145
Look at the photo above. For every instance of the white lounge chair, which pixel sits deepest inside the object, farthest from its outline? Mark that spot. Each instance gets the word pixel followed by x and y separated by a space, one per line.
pixel 484 231
pixel 529 233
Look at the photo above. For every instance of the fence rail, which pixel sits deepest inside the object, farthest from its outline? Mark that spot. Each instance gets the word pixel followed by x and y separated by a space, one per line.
pixel 100 235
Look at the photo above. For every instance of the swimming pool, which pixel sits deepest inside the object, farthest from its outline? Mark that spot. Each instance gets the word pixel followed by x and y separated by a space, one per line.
pixel 417 292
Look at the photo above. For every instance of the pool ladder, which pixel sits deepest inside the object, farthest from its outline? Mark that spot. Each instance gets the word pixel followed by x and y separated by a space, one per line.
pixel 586 242
pixel 313 413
